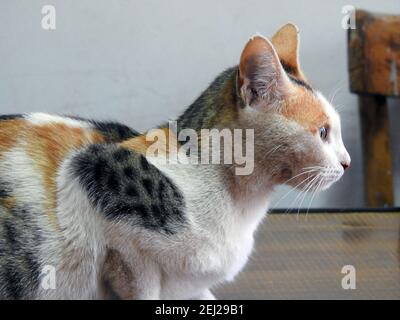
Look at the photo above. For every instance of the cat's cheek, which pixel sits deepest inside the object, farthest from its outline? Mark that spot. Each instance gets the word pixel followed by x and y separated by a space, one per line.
pixel 286 173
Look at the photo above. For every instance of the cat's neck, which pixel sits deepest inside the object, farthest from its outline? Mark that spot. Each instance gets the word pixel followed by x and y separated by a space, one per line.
pixel 215 107
pixel 248 190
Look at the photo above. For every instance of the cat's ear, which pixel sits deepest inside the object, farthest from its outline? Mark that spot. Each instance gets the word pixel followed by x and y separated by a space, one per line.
pixel 286 42
pixel 262 80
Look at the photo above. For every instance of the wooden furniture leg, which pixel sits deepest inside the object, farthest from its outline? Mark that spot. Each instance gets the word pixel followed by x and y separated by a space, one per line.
pixel 376 150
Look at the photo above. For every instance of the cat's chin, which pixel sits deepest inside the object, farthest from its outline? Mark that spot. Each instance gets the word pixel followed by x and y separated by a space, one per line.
pixel 326 186
pixel 328 183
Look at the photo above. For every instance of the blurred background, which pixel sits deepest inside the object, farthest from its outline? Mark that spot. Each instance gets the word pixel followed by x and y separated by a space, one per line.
pixel 143 62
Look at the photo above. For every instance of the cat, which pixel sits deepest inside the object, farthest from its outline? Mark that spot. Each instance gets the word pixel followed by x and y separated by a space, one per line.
pixel 88 200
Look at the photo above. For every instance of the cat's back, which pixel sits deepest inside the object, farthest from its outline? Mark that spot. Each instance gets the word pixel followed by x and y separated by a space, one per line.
pixel 32 149
pixel 33 146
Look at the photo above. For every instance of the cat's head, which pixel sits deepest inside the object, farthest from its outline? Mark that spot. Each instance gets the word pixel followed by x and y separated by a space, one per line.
pixel 297 131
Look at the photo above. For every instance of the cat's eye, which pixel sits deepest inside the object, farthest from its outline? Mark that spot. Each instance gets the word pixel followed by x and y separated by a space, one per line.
pixel 323 133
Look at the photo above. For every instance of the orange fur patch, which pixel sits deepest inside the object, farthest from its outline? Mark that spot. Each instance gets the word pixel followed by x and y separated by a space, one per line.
pixel 168 142
pixel 9 133
pixel 8 202
pixel 48 145
pixel 306 110
pixel 286 44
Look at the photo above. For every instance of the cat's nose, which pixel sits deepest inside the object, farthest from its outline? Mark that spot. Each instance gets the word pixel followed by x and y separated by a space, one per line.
pixel 345 165
pixel 345 160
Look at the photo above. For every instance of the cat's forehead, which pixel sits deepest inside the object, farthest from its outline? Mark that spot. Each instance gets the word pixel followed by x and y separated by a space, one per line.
pixel 309 109
pixel 329 109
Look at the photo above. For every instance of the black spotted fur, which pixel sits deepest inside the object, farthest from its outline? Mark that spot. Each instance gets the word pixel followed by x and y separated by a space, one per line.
pixel 19 253
pixel 111 130
pixel 123 185
pixel 5 117
pixel 114 131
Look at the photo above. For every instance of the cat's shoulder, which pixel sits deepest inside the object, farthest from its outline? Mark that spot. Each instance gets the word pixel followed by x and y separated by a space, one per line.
pixel 112 131
pixel 125 186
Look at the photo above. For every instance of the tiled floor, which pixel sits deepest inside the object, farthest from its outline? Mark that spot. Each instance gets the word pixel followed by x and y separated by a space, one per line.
pixel 302 258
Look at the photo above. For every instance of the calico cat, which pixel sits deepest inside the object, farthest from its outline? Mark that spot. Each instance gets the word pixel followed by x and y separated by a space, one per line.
pixel 87 198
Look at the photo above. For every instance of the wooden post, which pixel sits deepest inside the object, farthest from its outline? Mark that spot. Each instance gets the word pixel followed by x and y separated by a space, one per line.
pixel 374 70
pixel 376 150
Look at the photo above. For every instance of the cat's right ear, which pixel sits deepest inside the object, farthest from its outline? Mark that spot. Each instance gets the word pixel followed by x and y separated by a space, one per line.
pixel 262 79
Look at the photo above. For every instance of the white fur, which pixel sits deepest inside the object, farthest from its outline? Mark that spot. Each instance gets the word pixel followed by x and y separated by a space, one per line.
pixel 77 252
pixel 334 150
pixel 336 142
pixel 18 170
pixel 39 118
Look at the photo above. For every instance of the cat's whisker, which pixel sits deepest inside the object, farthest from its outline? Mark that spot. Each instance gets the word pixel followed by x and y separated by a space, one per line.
pixel 292 189
pixel 313 167
pixel 336 90
pixel 296 176
pixel 298 197
pixel 302 192
pixel 308 188
pixel 313 196
pixel 317 189
pixel 274 150
pixel 339 108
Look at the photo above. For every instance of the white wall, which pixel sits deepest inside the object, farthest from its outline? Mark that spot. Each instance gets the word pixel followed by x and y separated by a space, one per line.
pixel 142 62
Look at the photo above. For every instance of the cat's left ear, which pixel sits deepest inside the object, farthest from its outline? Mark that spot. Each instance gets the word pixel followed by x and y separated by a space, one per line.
pixel 286 42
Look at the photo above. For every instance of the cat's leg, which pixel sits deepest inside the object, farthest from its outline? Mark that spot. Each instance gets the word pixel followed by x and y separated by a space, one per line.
pixel 117 277
pixel 131 277
pixel 205 295
pixel 148 282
